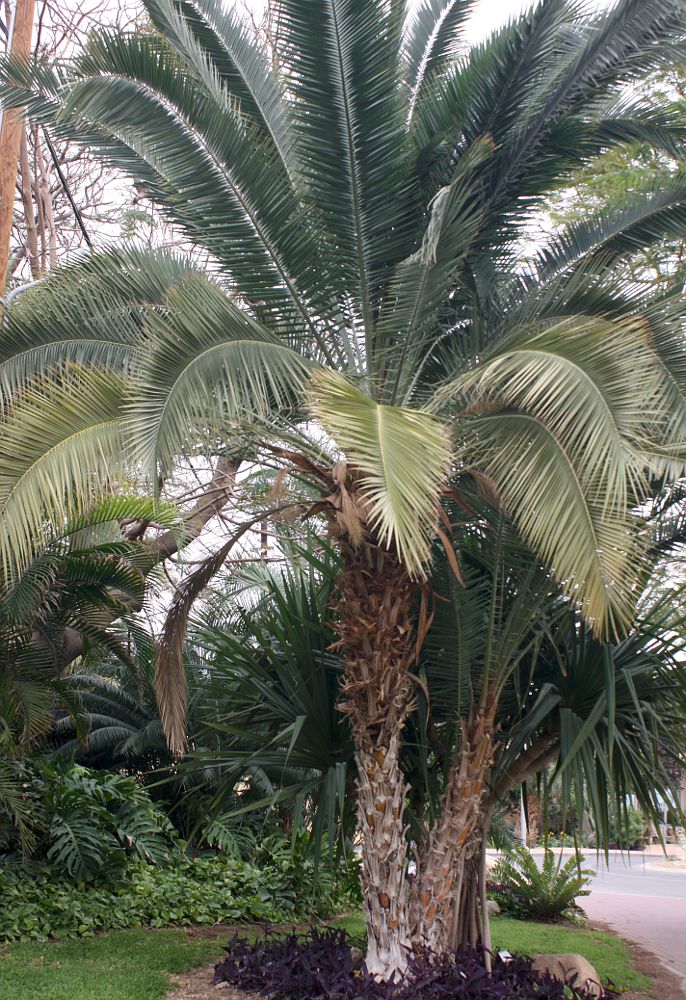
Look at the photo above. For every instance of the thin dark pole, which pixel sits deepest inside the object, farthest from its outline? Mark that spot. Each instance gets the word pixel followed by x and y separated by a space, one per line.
pixel 65 185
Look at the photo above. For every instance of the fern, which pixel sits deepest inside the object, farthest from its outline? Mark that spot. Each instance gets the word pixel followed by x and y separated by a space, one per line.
pixel 546 893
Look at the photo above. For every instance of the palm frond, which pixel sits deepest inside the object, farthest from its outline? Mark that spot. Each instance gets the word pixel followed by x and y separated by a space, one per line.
pixel 87 313
pixel 402 456
pixel 592 550
pixel 214 40
pixel 421 285
pixel 431 40
pixel 653 215
pixel 171 687
pixel 341 60
pixel 204 366
pixel 62 451
pixel 580 441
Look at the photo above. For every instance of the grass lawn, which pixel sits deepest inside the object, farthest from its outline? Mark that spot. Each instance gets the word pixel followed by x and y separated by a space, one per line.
pixel 134 965
pixel 120 965
pixel 610 956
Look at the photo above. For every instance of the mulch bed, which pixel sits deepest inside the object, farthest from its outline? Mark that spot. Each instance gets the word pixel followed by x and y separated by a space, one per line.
pixel 197 984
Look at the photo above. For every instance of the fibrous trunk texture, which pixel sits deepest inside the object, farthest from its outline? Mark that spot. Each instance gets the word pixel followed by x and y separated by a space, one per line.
pixel 469 926
pixel 445 860
pixel 376 637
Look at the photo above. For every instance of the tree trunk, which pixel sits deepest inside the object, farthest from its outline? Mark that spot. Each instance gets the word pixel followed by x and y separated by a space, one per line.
pixel 27 202
pixel 452 847
pixel 483 898
pixel 10 136
pixel 381 791
pixel 469 921
pixel 374 623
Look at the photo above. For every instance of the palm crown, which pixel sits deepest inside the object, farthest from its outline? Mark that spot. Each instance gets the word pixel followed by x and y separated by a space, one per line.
pixel 365 193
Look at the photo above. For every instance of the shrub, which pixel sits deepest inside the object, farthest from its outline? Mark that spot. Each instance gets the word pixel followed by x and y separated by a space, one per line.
pixel 334 882
pixel 546 893
pixel 320 965
pixel 560 839
pixel 36 903
pixel 89 823
pixel 628 833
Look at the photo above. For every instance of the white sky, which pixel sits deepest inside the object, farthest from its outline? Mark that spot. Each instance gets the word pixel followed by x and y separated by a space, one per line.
pixel 490 14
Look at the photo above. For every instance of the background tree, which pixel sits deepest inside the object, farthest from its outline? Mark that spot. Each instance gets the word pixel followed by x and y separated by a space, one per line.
pixel 65 199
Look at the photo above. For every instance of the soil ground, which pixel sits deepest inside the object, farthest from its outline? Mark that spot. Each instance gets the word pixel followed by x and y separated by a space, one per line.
pixel 197 984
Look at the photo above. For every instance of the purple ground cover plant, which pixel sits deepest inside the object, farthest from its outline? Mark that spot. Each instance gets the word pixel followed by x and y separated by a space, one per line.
pixel 319 965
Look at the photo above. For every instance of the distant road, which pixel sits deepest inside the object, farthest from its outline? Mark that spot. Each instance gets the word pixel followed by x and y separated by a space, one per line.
pixel 642 904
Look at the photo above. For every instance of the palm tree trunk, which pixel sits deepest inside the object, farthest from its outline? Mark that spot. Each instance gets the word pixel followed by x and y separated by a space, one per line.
pixel 451 851
pixel 381 791
pixel 374 623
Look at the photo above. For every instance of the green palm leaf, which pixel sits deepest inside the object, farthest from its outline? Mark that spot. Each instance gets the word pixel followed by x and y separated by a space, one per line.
pixel 341 63
pixel 655 214
pixel 204 366
pixel 431 40
pixel 89 313
pixel 215 41
pixel 557 500
pixel 421 284
pixel 62 450
pixel 402 456
pixel 556 423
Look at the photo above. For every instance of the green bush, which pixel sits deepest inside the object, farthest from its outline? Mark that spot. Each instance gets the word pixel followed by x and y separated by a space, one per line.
pixel 629 832
pixel 335 881
pixel 87 823
pixel 560 839
pixel 36 903
pixel 546 893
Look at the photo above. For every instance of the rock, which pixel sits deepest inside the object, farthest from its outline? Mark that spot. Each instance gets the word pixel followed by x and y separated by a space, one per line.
pixel 574 970
pixel 492 908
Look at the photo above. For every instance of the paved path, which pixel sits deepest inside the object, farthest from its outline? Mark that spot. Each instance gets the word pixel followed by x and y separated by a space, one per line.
pixel 643 904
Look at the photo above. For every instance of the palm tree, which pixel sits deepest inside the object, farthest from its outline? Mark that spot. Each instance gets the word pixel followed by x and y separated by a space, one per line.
pixel 87 575
pixel 366 193
pixel 605 719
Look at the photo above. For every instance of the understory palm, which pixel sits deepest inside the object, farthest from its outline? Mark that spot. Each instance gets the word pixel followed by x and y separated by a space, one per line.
pixel 367 193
